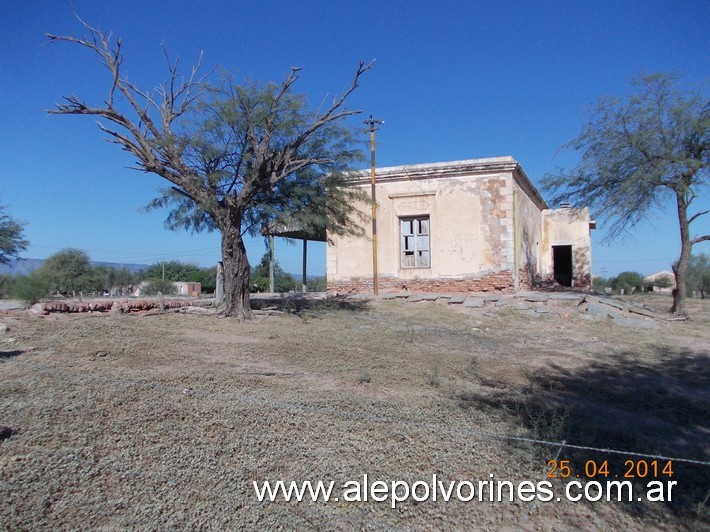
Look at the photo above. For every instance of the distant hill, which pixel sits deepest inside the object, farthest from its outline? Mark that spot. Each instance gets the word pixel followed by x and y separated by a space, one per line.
pixel 20 266
pixel 27 266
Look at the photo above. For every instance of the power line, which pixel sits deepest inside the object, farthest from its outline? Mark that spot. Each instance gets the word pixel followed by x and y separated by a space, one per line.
pixel 635 260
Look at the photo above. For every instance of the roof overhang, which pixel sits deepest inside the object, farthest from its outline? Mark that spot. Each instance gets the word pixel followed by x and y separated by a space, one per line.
pixel 298 233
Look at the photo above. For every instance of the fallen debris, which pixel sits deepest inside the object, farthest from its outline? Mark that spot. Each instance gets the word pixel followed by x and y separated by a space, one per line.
pixel 196 310
pixel 473 302
pixel 632 322
pixel 116 306
pixel 538 304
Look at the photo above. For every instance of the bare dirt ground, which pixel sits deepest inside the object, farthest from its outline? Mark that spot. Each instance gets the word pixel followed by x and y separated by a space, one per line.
pixel 164 421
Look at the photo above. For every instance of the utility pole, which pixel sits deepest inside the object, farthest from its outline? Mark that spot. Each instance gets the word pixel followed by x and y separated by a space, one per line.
pixel 371 122
pixel 271 263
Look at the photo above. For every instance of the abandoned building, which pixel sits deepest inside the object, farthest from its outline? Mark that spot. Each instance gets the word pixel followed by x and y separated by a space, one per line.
pixel 477 225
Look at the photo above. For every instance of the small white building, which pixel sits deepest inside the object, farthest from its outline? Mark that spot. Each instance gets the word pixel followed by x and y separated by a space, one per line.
pixel 654 277
pixel 182 288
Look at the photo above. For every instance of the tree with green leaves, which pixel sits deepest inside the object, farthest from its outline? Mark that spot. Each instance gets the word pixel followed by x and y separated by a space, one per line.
pixel 11 239
pixel 662 281
pixel 646 151
pixel 283 281
pixel 31 288
pixel 172 270
pixel 699 274
pixel 175 270
pixel 113 279
pixel 629 282
pixel 599 284
pixel 239 158
pixel 70 271
pixel 156 286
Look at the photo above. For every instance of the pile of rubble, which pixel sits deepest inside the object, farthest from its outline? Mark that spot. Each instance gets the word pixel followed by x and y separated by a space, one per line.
pixel 536 304
pixel 116 306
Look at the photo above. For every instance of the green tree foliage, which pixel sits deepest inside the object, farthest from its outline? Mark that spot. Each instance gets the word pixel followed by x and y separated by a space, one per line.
pixel 179 271
pixel 283 282
pixel 599 284
pixel 119 278
pixel 159 286
pixel 239 158
pixel 173 270
pixel 646 151
pixel 31 288
pixel 629 282
pixel 111 279
pixel 317 284
pixel 208 281
pixel 70 271
pixel 662 282
pixel 11 240
pixel 699 274
pixel 6 282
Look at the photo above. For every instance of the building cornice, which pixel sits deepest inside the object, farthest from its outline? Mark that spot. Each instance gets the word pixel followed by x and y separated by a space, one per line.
pixel 453 169
pixel 523 181
pixel 443 170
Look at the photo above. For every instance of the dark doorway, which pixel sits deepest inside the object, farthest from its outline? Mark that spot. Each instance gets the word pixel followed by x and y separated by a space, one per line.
pixel 562 264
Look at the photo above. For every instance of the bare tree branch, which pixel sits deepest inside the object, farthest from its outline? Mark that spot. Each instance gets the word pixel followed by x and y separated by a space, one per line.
pixel 698 239
pixel 696 215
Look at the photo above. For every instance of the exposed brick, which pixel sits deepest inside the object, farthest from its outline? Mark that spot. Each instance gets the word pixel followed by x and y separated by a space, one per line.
pixel 492 282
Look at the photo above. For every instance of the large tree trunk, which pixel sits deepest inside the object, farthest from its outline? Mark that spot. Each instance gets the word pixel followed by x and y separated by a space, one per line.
pixel 681 269
pixel 236 272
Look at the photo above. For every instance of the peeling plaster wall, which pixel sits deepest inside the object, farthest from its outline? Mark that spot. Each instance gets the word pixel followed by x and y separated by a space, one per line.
pixel 568 226
pixel 470 207
pixel 468 230
pixel 529 223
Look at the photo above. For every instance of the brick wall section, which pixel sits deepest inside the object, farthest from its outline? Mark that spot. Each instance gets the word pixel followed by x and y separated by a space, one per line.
pixel 492 282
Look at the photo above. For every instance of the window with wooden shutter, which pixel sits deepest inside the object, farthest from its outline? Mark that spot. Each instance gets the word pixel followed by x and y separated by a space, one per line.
pixel 415 242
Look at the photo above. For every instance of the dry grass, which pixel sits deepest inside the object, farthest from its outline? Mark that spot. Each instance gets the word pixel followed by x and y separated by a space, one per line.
pixel 164 421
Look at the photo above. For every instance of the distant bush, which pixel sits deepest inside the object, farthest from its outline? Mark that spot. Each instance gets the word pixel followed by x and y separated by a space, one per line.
pixel 660 282
pixel 259 278
pixel 155 286
pixel 599 284
pixel 699 274
pixel 629 282
pixel 5 285
pixel 317 284
pixel 179 271
pixel 31 288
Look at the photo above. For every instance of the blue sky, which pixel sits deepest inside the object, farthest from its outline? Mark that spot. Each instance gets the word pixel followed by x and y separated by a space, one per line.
pixel 452 79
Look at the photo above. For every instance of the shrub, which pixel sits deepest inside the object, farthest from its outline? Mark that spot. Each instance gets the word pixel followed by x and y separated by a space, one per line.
pixel 31 288
pixel 599 284
pixel 629 282
pixel 155 286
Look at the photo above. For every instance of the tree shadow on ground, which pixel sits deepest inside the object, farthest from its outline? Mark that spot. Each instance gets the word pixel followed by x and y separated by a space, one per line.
pixel 10 354
pixel 303 303
pixel 626 403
